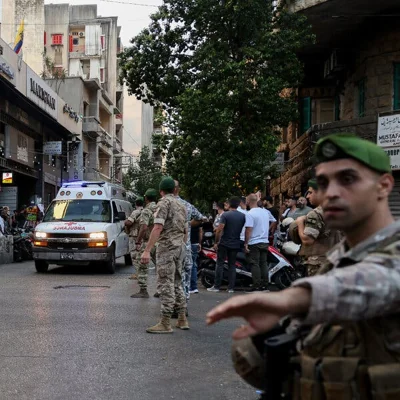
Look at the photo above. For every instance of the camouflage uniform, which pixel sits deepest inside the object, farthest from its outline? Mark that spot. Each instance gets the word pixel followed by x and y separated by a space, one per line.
pixel 314 256
pixel 172 215
pixel 146 218
pixel 354 308
pixel 191 213
pixel 133 231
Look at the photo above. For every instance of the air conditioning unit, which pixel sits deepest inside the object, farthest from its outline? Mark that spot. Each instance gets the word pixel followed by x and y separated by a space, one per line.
pixel 327 69
pixel 75 41
pixel 337 61
pixel 81 34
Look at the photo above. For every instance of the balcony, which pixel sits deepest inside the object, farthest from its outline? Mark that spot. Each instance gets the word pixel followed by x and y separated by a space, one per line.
pixel 91 126
pixel 118 120
pixel 77 51
pixel 117 147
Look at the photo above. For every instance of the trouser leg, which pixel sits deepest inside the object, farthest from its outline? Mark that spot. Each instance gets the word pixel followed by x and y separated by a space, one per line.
pixel 187 271
pixel 263 247
pixel 219 270
pixel 254 261
pixel 142 269
pixel 180 299
pixel 193 277
pixel 232 253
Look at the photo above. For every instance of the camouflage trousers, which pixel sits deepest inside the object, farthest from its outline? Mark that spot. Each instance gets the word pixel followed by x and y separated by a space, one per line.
pixel 187 270
pixel 142 270
pixel 132 251
pixel 169 279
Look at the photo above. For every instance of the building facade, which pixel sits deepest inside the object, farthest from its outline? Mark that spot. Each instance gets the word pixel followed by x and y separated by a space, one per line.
pixel 351 84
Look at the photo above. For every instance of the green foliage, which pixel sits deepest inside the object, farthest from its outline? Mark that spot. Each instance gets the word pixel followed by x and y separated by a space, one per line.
pixel 220 70
pixel 143 175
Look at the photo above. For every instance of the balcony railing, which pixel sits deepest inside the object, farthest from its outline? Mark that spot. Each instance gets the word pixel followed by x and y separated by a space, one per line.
pixel 91 125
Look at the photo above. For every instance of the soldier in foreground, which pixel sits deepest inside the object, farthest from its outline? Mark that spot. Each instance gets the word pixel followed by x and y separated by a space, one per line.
pixel 316 239
pixel 170 230
pixel 146 222
pixel 353 348
pixel 132 229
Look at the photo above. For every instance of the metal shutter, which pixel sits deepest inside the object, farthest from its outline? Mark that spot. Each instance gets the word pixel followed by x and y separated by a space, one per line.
pixel 394 198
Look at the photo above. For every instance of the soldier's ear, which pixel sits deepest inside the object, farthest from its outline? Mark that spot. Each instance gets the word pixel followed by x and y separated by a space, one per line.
pixel 385 186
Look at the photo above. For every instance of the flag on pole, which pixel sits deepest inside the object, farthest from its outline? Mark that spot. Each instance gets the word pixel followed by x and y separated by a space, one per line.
pixel 19 39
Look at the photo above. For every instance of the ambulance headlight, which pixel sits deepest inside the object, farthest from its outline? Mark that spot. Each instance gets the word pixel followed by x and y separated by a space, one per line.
pixel 40 235
pixel 98 235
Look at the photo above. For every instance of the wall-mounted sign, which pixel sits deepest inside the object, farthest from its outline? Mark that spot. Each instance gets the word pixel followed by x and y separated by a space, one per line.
pixel 279 162
pixel 394 154
pixel 6 70
pixel 52 148
pixel 7 177
pixel 71 113
pixel 41 93
pixel 388 130
pixel 75 155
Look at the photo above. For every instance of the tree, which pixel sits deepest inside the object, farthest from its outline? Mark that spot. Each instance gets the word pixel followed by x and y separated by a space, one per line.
pixel 143 175
pixel 220 69
pixel 51 72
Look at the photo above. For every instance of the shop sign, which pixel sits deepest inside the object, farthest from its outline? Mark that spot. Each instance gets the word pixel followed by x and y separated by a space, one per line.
pixel 6 70
pixel 394 155
pixel 52 148
pixel 75 153
pixel 41 93
pixel 71 113
pixel 279 162
pixel 388 130
pixel 7 177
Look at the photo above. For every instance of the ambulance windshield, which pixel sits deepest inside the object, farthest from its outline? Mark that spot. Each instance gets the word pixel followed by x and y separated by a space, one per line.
pixel 79 211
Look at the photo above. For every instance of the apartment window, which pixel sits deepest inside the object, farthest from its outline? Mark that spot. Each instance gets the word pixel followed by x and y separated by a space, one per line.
pixel 57 39
pixel 103 42
pixel 361 98
pixel 305 114
pixel 337 108
pixel 284 135
pixel 396 87
pixel 323 111
pixel 101 75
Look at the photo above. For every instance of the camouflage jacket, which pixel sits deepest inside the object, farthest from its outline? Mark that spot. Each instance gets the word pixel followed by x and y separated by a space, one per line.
pixel 358 284
pixel 134 218
pixel 172 215
pixel 191 213
pixel 147 218
pixel 324 239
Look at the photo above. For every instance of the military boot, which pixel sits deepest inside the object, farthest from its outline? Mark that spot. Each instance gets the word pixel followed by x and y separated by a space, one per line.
pixel 142 294
pixel 164 326
pixel 182 321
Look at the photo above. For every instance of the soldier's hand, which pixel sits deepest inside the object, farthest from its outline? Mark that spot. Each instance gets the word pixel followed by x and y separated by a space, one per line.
pixel 262 311
pixel 145 259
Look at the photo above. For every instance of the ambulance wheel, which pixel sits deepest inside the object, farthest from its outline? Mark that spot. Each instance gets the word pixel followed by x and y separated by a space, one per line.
pixel 41 266
pixel 110 264
pixel 128 260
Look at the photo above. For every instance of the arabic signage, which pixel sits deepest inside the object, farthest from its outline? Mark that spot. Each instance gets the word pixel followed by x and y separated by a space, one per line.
pixel 52 148
pixel 7 71
pixel 279 162
pixel 41 93
pixel 75 154
pixel 388 137
pixel 7 177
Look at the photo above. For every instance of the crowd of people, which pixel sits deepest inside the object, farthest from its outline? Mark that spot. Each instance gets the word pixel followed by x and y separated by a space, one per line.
pixel 24 217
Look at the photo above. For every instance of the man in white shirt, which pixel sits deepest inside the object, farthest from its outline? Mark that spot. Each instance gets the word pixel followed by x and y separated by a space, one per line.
pixel 243 209
pixel 257 243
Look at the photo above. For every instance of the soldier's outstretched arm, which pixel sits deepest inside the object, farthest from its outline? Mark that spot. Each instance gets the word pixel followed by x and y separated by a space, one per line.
pixel 154 235
pixel 364 290
pixel 262 311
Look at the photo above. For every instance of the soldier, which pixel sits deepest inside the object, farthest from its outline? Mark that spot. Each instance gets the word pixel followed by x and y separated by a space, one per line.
pixel 316 238
pixel 353 348
pixel 170 230
pixel 194 218
pixel 132 229
pixel 146 222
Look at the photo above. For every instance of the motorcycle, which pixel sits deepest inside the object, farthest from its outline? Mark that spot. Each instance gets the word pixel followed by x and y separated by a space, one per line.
pixel 22 244
pixel 280 272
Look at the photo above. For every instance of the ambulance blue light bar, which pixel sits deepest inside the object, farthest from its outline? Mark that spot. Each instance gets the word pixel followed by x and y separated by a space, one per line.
pixel 82 184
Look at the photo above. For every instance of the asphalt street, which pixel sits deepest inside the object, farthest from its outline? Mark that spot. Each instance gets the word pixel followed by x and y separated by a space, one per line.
pixel 75 333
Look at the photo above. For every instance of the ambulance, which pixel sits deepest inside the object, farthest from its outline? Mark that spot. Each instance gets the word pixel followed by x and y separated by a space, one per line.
pixel 84 224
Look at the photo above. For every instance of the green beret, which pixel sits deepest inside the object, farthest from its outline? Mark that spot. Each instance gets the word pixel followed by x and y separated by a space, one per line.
pixel 151 192
pixel 167 183
pixel 139 198
pixel 346 145
pixel 312 183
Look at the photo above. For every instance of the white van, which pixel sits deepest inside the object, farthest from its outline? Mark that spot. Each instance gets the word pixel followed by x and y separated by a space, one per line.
pixel 83 224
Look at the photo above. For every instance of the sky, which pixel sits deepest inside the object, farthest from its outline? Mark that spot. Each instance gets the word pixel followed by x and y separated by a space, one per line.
pixel 132 18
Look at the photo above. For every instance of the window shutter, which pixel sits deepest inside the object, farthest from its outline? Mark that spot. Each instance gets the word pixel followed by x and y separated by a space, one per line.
pixel 305 114
pixel 396 87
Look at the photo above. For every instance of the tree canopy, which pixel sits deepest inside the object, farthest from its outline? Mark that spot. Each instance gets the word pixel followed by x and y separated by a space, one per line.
pixel 143 175
pixel 221 70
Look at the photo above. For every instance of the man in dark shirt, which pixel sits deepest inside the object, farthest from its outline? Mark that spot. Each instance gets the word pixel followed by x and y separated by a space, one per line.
pixel 227 244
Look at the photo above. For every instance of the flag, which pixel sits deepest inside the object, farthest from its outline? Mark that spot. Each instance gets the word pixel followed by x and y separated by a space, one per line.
pixel 19 39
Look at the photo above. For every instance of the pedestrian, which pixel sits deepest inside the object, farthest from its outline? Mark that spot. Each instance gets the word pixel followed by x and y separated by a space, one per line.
pixel 291 204
pixel 257 243
pixel 273 229
pixel 132 229
pixel 352 304
pixel 220 211
pixel 196 238
pixel 170 231
pixel 227 244
pixel 145 226
pixel 316 239
pixel 301 209
pixel 243 209
pixel 194 218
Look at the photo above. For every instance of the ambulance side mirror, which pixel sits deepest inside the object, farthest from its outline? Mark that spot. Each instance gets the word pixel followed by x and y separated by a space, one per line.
pixel 120 217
